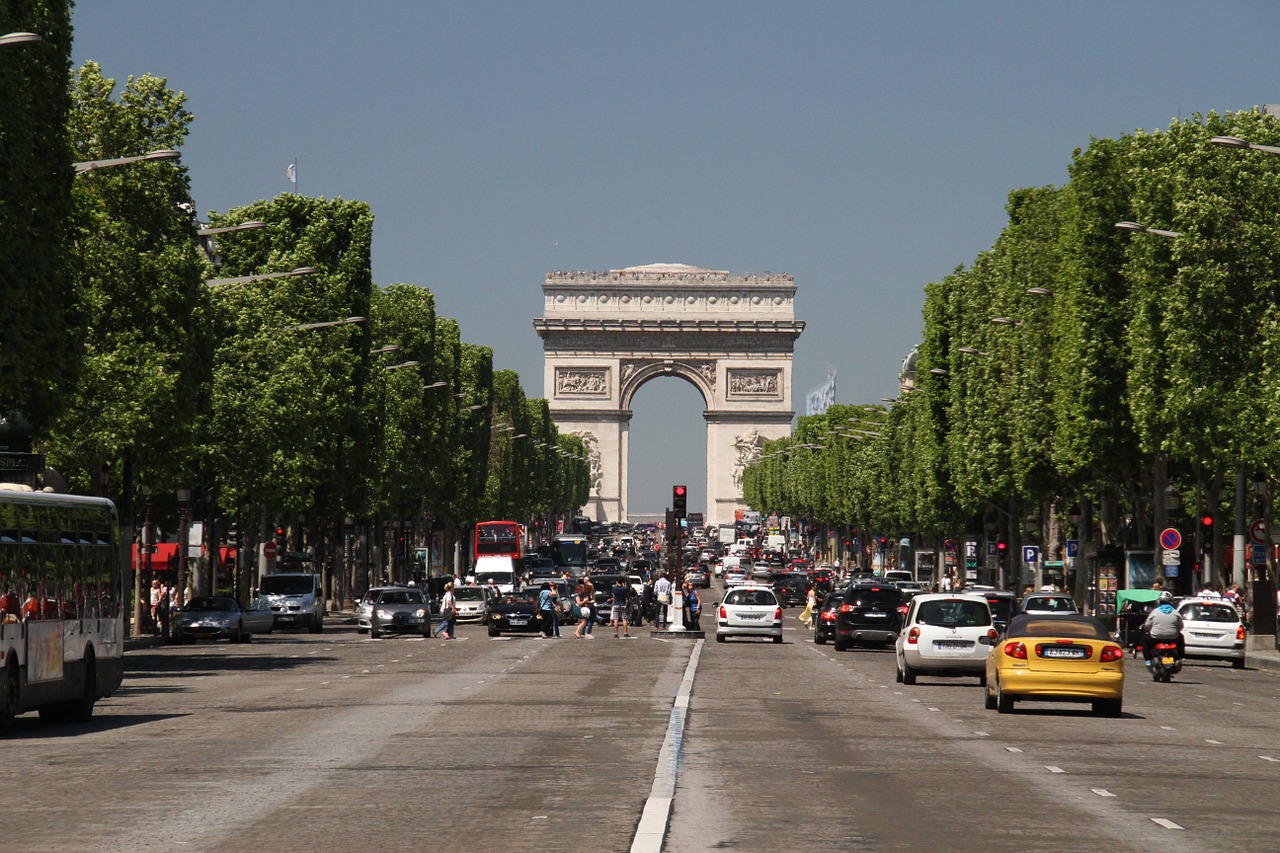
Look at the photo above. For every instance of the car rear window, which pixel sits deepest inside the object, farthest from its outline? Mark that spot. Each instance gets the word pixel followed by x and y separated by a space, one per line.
pixel 872 597
pixel 761 597
pixel 401 596
pixel 955 612
pixel 1210 613
pixel 1078 626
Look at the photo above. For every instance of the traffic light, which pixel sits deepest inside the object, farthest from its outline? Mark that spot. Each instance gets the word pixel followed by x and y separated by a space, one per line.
pixel 679 500
pixel 1001 546
pixel 1206 522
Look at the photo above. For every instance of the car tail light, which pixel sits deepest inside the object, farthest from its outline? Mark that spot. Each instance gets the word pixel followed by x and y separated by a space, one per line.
pixel 828 616
pixel 902 610
pixel 1240 633
pixel 777 615
pixel 1166 646
pixel 1016 650
pixel 913 636
pixel 846 608
pixel 723 613
pixel 992 634
pixel 1110 654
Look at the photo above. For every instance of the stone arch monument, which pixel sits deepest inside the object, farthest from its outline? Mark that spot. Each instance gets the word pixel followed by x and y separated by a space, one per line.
pixel 605 334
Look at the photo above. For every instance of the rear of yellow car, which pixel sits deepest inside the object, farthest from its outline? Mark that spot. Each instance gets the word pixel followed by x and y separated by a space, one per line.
pixel 1059 659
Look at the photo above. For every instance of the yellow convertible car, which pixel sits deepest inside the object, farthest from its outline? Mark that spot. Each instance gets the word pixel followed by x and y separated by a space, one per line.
pixel 1056 658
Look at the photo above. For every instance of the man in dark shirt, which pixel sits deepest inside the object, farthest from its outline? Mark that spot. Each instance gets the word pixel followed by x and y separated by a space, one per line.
pixel 620 614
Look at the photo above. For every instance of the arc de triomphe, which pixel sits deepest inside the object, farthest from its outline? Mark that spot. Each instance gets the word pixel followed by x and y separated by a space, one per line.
pixel 605 334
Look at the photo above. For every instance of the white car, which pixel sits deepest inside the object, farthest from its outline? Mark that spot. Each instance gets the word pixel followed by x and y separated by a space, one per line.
pixel 735 577
pixel 749 611
pixel 473 603
pixel 945 634
pixel 1212 628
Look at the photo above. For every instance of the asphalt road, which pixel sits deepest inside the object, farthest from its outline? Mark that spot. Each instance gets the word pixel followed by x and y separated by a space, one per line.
pixel 337 742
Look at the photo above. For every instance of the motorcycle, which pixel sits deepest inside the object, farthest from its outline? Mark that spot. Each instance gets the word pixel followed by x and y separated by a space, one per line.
pixel 1166 662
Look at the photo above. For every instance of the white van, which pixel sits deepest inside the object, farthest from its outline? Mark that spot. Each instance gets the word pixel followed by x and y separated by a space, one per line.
pixel 296 600
pixel 729 561
pixel 501 569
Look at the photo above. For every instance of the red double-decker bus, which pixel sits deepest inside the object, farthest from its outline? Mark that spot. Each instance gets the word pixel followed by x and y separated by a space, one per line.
pixel 498 539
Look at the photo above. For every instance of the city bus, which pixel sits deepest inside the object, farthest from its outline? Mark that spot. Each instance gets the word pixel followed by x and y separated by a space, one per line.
pixel 498 539
pixel 62 604
pixel 569 553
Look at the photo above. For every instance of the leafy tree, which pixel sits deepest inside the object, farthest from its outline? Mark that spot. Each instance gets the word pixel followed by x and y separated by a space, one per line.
pixel 41 326
pixel 138 272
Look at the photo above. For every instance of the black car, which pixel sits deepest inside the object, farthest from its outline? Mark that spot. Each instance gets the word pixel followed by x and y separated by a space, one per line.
pixel 792 590
pixel 869 613
pixel 515 612
pixel 824 617
pixel 1003 607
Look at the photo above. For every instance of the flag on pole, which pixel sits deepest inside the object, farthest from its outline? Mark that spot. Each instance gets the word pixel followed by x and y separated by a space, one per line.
pixel 291 172
pixel 823 397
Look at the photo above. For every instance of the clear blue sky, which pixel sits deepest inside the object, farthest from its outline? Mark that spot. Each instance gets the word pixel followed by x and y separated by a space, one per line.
pixel 865 148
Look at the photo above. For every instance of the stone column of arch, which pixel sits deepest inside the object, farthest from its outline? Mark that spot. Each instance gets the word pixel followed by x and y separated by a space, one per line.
pixel 605 334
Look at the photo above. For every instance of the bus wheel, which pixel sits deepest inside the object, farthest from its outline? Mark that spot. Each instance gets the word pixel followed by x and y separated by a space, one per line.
pixel 81 710
pixel 9 694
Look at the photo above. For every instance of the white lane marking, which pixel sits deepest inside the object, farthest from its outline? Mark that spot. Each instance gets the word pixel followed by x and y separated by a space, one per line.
pixel 1215 742
pixel 1166 823
pixel 1269 758
pixel 932 709
pixel 1053 768
pixel 657 809
pixel 1013 749
pixel 1102 792
pixel 983 734
pixel 1169 728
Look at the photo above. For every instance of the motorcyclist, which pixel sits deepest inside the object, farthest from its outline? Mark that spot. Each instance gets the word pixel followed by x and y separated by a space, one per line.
pixel 1163 623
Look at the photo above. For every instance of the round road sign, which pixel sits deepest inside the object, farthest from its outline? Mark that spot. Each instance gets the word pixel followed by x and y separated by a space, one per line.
pixel 1170 539
pixel 1258 532
pixel 269 549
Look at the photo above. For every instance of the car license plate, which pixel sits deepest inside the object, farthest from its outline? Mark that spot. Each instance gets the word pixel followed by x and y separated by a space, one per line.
pixel 287 618
pixel 1200 636
pixel 518 621
pixel 951 646
pixel 1166 660
pixel 877 615
pixel 750 615
pixel 1063 653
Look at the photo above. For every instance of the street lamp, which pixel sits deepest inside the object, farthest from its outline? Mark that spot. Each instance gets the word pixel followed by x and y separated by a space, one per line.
pixel 973 351
pixel 250 225
pixel 1237 142
pixel 1126 225
pixel 939 371
pixel 92 165
pixel 249 279
pixel 402 365
pixel 387 348
pixel 1039 291
pixel 434 385
pixel 1005 321
pixel 19 38
pixel 304 327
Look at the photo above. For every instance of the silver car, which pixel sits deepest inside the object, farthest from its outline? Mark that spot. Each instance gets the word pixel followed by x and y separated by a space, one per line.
pixel 399 610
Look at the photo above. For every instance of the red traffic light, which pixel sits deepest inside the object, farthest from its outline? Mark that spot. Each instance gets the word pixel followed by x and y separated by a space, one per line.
pixel 1206 520
pixel 1001 546
pixel 679 491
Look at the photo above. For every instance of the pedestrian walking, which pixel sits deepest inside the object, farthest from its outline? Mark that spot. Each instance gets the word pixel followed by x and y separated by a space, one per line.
pixel 155 600
pixel 589 588
pixel 585 607
pixel 448 613
pixel 692 607
pixel 547 608
pixel 810 601
pixel 662 589
pixel 618 596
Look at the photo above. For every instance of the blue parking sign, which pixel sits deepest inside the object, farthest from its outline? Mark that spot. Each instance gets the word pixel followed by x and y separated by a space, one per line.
pixel 1030 553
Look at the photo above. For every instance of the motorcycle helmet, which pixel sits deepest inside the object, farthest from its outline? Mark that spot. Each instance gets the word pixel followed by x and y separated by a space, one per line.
pixel 1166 597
